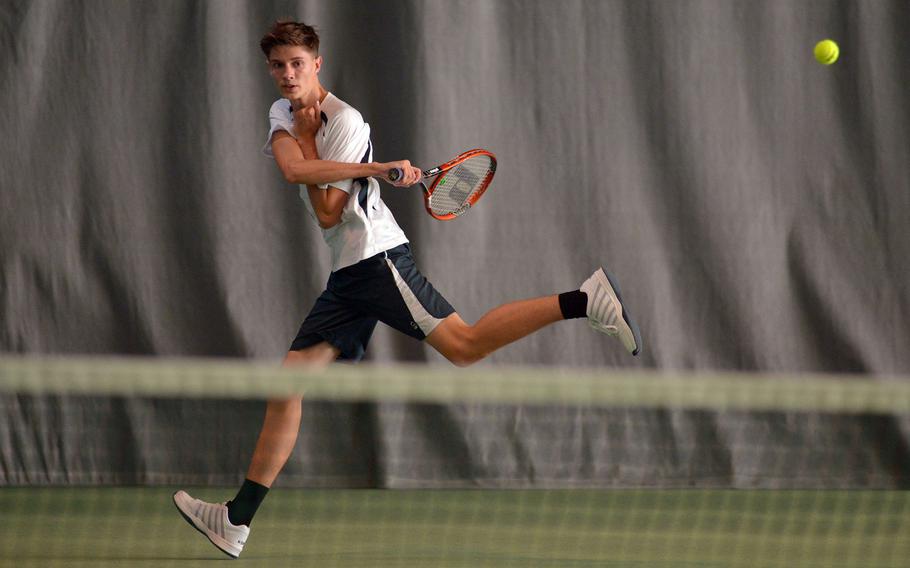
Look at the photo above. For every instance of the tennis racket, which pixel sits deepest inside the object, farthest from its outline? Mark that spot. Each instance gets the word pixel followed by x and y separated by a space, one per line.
pixel 455 185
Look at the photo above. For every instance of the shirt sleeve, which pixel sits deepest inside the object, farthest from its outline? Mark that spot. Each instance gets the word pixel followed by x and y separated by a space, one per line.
pixel 279 119
pixel 347 139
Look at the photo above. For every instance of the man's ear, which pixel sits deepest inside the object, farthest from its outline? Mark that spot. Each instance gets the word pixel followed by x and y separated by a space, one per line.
pixel 318 62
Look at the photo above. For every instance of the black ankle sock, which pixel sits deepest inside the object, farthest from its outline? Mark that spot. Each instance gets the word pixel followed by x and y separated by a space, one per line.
pixel 573 304
pixel 244 505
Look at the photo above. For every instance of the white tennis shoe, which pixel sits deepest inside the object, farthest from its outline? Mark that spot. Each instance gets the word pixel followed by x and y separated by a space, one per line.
pixel 606 312
pixel 211 519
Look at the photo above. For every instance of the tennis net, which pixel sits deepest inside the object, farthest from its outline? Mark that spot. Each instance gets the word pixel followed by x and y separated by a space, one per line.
pixel 414 465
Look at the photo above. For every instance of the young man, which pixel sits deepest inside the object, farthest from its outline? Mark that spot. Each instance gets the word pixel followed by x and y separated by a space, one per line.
pixel 323 144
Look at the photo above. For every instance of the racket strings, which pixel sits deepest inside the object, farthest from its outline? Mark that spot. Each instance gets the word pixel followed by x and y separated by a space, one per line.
pixel 458 186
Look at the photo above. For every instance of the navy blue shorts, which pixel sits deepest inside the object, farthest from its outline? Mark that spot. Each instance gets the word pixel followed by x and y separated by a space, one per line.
pixel 387 288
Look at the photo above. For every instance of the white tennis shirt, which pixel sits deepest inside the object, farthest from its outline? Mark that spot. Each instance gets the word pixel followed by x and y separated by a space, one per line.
pixel 367 226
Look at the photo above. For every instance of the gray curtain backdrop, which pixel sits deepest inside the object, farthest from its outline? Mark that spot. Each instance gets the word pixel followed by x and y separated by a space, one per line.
pixel 753 203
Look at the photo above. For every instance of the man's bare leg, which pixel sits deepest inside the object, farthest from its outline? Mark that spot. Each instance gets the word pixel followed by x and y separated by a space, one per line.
pixel 282 420
pixel 464 344
pixel 598 299
pixel 227 525
pixel 276 439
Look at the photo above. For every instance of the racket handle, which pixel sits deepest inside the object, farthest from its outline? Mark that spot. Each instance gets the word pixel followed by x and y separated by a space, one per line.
pixel 395 174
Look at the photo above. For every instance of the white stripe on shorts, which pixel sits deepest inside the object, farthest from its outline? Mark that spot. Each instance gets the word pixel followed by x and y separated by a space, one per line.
pixel 419 314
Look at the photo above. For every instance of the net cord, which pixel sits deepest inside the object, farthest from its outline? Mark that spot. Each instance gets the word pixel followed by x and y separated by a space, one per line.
pixel 205 378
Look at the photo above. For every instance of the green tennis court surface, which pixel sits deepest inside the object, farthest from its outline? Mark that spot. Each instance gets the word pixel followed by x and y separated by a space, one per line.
pixel 360 528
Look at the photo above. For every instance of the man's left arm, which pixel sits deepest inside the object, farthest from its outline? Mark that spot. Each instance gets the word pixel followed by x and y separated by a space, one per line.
pixel 328 203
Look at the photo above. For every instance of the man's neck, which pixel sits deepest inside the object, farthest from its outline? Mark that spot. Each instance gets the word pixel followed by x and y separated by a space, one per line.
pixel 309 99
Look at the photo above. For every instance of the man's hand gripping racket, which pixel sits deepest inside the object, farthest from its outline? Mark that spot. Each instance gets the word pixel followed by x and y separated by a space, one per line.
pixel 455 185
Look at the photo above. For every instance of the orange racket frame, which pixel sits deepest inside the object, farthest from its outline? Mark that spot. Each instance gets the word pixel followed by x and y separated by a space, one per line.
pixel 435 172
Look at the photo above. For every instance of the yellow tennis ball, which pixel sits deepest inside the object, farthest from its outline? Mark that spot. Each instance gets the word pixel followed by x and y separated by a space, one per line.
pixel 826 51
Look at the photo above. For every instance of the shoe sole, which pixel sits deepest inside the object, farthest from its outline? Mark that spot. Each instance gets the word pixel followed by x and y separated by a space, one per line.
pixel 633 327
pixel 193 524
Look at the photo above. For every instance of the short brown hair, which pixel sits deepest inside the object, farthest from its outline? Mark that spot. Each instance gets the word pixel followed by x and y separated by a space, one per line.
pixel 289 32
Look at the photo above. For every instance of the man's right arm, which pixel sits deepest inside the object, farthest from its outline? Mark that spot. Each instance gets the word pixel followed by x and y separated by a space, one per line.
pixel 298 170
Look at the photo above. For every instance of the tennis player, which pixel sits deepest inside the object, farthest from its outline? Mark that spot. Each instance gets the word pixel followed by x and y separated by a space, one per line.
pixel 323 145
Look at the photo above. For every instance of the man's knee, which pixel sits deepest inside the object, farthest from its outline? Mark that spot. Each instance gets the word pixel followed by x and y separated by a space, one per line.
pixel 465 359
pixel 456 341
pixel 464 351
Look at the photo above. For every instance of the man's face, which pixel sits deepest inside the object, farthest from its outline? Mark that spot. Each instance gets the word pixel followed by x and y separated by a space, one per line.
pixel 295 70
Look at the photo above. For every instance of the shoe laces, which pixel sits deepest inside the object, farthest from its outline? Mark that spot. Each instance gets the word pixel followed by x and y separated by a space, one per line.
pixel 608 329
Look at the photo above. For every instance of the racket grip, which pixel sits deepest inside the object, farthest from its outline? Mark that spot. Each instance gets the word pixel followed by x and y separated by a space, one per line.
pixel 395 174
